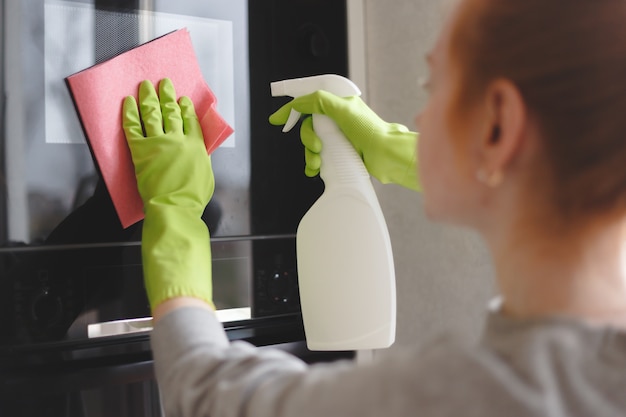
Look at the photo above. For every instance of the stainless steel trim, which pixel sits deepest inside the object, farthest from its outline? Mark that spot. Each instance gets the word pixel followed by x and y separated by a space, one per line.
pixel 144 324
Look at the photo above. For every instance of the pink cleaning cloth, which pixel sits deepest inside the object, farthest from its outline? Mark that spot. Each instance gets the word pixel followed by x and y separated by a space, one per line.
pixel 98 93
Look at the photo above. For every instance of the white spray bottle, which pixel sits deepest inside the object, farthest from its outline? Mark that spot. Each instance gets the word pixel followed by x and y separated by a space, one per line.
pixel 345 263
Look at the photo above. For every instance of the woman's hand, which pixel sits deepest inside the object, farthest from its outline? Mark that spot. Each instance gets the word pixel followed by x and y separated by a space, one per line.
pixel 387 149
pixel 176 182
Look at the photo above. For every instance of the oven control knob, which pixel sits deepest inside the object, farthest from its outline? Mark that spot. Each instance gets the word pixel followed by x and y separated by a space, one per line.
pixel 46 308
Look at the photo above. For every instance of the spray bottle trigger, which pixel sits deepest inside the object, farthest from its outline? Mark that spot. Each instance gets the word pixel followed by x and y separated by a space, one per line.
pixel 294 116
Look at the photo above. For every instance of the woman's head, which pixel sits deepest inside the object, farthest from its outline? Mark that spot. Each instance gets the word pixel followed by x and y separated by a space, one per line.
pixel 566 62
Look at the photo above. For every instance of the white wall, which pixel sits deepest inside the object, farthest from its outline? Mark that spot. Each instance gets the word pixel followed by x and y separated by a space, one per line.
pixel 444 277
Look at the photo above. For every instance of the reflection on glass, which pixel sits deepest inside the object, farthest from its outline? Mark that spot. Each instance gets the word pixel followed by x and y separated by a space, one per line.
pixel 65 261
pixel 48 168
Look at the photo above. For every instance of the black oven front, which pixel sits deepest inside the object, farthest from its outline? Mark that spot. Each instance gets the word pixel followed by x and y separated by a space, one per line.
pixel 74 333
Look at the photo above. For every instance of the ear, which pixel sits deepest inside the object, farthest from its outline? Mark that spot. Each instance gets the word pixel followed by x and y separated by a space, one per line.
pixel 503 133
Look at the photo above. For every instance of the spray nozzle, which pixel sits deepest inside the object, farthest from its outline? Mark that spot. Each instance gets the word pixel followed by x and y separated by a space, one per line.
pixel 296 87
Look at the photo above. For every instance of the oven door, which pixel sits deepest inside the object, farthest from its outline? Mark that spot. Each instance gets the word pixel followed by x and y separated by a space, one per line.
pixel 113 376
pixel 66 264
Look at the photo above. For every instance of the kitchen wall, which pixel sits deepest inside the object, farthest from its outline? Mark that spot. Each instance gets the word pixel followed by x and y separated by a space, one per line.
pixel 444 277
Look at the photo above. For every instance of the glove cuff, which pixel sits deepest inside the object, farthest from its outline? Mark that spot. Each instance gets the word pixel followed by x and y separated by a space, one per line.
pixel 176 254
pixel 395 159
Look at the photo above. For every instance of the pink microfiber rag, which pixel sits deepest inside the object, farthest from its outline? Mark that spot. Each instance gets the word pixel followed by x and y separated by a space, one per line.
pixel 98 93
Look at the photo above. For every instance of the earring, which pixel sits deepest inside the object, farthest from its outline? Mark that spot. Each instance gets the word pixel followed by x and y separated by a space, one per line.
pixel 491 180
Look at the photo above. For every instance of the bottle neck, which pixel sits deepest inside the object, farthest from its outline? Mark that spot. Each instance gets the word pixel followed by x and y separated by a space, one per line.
pixel 341 163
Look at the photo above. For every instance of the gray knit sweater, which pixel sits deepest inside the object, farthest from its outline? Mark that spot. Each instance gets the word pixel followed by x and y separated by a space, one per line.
pixel 555 368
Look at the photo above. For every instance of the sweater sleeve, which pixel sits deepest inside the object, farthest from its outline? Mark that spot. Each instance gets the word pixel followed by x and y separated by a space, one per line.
pixel 519 371
pixel 200 373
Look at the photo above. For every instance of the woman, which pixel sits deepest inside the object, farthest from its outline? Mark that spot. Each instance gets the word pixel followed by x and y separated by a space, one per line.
pixel 522 140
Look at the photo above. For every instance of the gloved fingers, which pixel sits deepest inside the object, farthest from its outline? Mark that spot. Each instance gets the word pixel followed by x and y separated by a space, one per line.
pixel 171 113
pixel 313 163
pixel 322 102
pixel 314 103
pixel 319 102
pixel 150 109
pixel 311 174
pixel 191 124
pixel 280 116
pixel 130 119
pixel 309 138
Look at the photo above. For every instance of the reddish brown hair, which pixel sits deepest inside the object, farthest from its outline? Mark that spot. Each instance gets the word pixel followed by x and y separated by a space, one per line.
pixel 568 59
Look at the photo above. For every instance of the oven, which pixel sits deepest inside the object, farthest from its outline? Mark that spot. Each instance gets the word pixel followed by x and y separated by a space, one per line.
pixel 74 333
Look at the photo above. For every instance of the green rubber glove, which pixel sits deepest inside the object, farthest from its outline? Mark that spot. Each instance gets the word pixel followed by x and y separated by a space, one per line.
pixel 387 149
pixel 175 180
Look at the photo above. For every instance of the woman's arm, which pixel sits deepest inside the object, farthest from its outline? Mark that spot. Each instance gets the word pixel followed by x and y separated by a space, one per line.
pixel 201 374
